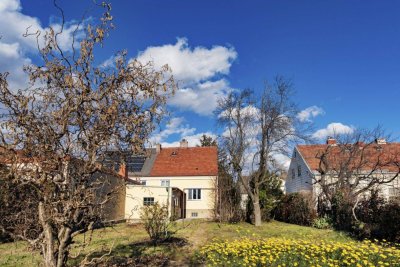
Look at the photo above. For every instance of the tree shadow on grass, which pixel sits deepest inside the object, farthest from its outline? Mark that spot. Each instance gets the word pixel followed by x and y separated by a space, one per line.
pixel 143 253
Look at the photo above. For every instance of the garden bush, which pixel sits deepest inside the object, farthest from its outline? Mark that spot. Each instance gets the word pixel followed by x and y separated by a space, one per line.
pixel 324 222
pixel 156 222
pixel 378 218
pixel 296 208
pixel 342 213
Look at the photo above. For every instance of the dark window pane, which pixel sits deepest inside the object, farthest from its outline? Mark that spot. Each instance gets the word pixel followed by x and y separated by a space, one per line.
pixel 147 201
pixel 190 193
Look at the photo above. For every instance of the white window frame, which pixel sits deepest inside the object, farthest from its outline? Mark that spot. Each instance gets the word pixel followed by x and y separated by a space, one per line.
pixel 194 194
pixel 148 201
pixel 165 182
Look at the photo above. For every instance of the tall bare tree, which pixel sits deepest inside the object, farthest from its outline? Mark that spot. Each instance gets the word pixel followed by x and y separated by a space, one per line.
pixel 56 132
pixel 356 163
pixel 257 131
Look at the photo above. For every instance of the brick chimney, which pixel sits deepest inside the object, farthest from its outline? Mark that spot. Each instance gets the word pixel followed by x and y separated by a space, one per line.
pixel 158 148
pixel 380 141
pixel 122 170
pixel 331 141
pixel 184 143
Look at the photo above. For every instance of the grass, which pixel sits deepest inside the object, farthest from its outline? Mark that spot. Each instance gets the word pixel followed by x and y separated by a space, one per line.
pixel 123 241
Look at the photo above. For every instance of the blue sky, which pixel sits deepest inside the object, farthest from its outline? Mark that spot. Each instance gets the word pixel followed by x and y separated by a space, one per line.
pixel 343 57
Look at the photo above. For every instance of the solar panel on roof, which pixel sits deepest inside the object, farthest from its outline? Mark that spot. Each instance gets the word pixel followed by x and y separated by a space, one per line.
pixel 135 163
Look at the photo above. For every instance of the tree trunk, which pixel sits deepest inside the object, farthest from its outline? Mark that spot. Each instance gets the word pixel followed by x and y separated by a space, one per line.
pixel 48 247
pixel 65 239
pixel 257 211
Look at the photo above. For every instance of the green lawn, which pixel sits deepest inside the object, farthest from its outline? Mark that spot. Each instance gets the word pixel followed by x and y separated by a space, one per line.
pixel 123 241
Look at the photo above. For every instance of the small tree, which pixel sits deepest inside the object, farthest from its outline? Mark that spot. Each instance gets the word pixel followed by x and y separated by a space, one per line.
pixel 56 132
pixel 156 222
pixel 229 199
pixel 206 140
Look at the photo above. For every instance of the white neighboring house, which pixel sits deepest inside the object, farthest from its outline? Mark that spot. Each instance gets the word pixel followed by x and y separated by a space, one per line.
pixel 183 178
pixel 304 165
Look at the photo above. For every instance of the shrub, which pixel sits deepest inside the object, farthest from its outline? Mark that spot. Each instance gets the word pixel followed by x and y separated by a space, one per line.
pixel 296 208
pixel 324 222
pixel 378 219
pixel 156 222
pixel 342 213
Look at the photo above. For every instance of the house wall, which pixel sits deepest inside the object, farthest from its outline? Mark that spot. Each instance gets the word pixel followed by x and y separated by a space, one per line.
pixel 306 181
pixel 384 189
pixel 113 188
pixel 204 208
pixel 296 183
pixel 135 195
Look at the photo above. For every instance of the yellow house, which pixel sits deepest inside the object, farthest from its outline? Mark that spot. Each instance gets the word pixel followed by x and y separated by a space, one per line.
pixel 183 178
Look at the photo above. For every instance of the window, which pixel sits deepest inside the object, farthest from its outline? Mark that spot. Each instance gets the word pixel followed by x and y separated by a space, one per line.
pixel 194 194
pixel 143 182
pixel 293 173
pixel 299 170
pixel 394 193
pixel 147 201
pixel 295 154
pixel 195 214
pixel 165 183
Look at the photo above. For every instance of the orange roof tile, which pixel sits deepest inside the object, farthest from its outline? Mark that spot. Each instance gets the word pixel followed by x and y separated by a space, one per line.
pixel 388 156
pixel 191 161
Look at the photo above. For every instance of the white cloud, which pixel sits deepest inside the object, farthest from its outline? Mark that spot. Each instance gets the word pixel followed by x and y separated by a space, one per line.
pixel 202 98
pixel 177 126
pixel 174 126
pixel 15 49
pixel 247 111
pixel 310 112
pixel 190 65
pixel 282 160
pixel 108 63
pixel 197 70
pixel 335 128
pixel 193 140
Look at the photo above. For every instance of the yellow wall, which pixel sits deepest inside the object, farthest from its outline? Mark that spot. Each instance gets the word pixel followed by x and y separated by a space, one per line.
pixel 204 207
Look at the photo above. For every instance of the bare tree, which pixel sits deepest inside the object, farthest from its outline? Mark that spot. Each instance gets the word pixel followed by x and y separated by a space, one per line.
pixel 356 163
pixel 259 131
pixel 234 116
pixel 55 135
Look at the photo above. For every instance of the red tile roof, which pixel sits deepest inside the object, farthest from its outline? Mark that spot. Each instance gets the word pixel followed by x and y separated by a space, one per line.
pixel 191 161
pixel 388 156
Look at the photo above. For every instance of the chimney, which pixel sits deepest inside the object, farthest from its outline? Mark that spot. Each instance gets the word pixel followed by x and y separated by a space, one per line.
pixel 122 170
pixel 158 148
pixel 184 143
pixel 380 141
pixel 331 141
